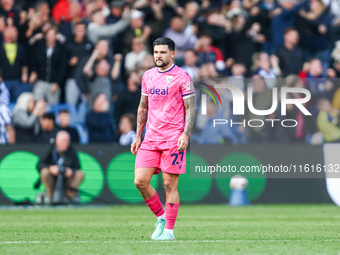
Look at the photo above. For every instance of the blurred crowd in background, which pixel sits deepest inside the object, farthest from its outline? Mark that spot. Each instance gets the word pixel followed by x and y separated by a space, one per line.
pixel 77 65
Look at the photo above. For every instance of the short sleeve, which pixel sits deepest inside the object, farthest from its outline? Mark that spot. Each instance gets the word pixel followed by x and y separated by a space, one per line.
pixel 144 88
pixel 187 86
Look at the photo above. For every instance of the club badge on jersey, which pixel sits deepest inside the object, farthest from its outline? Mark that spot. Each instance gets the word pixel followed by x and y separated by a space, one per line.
pixel 168 79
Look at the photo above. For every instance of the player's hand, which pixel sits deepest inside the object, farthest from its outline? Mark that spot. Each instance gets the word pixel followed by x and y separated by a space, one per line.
pixel 68 172
pixel 54 170
pixel 135 145
pixel 182 142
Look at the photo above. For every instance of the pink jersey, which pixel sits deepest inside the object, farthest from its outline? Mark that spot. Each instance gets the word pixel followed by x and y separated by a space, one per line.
pixel 166 91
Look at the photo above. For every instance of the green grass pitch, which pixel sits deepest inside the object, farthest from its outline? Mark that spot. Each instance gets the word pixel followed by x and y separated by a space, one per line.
pixel 200 229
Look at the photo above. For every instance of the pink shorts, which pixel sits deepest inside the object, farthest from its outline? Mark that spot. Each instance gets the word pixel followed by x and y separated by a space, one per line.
pixel 163 155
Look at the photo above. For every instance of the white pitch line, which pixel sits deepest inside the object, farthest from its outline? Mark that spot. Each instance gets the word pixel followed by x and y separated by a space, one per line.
pixel 238 241
pixel 51 242
pixel 177 241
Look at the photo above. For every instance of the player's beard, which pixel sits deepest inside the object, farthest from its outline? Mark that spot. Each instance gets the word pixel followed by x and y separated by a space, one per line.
pixel 163 63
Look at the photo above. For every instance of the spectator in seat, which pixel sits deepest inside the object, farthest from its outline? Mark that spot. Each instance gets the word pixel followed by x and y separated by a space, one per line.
pixel 26 114
pixel 316 26
pixel 43 9
pixel 98 121
pixel 89 9
pixel 116 8
pixel 327 121
pixel 214 135
pixel 207 73
pixel 60 11
pixel 8 10
pixel 39 19
pixel 49 129
pixel 135 57
pixel 128 100
pixel 13 64
pixel 49 170
pixel 215 25
pixel 7 132
pixel 318 86
pixel 191 12
pixel 283 17
pixel 101 51
pixel 127 129
pixel 64 119
pixel 190 64
pixel 262 100
pixel 137 28
pixel 316 83
pixel 67 27
pixel 262 15
pixel 116 11
pixel 98 29
pixel 263 67
pixel 103 6
pixel 77 47
pixel 207 53
pixel 289 55
pixel 98 75
pixel 236 79
pixel 183 36
pixel 48 68
pixel 238 70
pixel 243 35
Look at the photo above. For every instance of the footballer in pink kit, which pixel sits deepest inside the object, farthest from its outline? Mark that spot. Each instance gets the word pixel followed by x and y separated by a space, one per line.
pixel 167 108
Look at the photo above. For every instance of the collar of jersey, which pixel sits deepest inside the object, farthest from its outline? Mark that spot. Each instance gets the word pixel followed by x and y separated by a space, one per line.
pixel 167 70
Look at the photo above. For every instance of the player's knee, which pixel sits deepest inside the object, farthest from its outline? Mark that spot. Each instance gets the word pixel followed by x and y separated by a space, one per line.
pixel 169 186
pixel 140 183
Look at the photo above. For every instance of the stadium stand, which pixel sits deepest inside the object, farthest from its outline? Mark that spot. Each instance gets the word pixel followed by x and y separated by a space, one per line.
pixel 219 40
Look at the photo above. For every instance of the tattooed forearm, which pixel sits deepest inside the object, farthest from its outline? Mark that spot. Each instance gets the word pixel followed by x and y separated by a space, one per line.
pixel 190 114
pixel 142 115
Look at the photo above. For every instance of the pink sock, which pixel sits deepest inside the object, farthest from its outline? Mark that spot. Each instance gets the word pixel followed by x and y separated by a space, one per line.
pixel 155 205
pixel 171 210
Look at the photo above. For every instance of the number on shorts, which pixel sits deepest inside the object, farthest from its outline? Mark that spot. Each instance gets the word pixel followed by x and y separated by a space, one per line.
pixel 176 157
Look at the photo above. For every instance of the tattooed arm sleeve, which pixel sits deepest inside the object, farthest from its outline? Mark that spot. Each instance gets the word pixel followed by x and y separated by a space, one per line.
pixel 190 114
pixel 142 115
